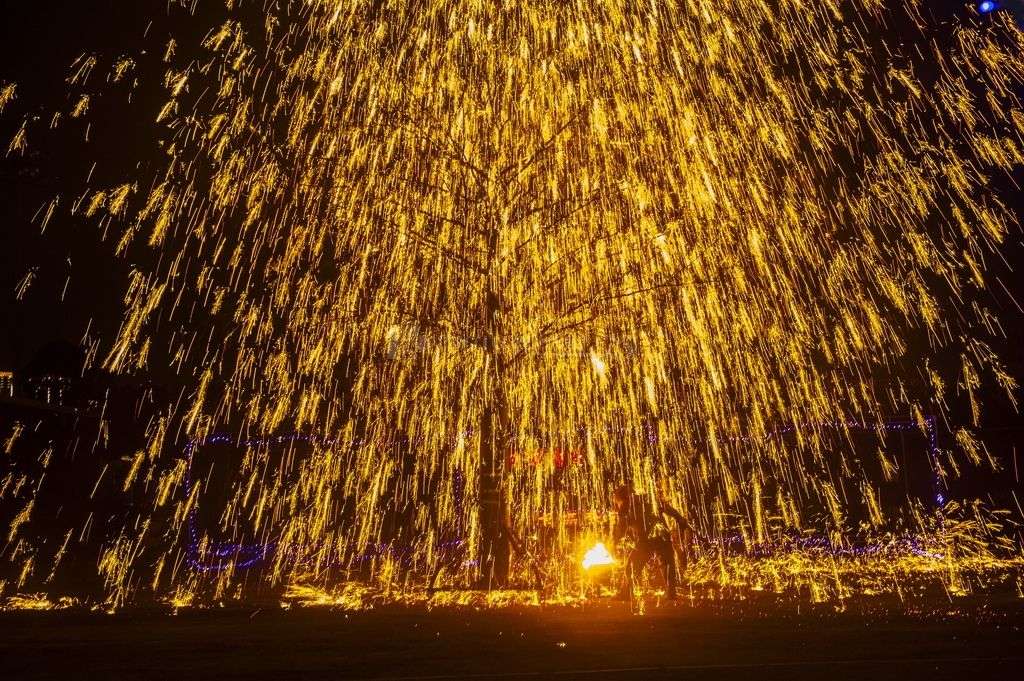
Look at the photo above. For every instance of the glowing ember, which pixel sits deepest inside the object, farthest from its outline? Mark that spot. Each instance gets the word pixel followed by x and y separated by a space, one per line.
pixel 597 556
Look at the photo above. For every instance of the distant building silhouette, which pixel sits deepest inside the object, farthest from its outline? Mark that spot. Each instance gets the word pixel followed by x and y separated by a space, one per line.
pixel 51 389
pixel 54 374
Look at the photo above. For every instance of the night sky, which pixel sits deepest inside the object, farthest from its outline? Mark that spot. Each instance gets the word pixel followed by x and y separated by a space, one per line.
pixel 78 281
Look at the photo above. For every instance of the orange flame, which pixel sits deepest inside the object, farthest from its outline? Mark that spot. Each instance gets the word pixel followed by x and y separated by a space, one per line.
pixel 596 556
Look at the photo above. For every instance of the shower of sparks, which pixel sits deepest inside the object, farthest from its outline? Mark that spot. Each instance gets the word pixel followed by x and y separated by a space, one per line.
pixel 554 245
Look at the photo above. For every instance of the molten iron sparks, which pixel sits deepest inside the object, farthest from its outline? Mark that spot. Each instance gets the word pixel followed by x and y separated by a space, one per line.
pixel 687 243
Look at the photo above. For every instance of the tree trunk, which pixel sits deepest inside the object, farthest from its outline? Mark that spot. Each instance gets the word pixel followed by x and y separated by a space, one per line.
pixel 494 540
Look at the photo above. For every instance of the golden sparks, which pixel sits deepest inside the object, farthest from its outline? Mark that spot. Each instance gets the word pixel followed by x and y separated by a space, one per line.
pixel 506 255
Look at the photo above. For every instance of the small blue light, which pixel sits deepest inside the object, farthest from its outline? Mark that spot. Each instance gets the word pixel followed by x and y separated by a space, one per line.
pixel 987 6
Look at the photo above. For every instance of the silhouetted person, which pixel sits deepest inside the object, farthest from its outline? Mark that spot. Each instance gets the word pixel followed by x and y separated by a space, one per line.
pixel 650 532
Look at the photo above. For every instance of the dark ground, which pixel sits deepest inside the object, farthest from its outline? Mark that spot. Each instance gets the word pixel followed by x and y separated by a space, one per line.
pixel 965 640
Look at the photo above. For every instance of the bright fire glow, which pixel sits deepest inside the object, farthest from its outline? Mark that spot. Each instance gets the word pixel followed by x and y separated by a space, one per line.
pixel 597 556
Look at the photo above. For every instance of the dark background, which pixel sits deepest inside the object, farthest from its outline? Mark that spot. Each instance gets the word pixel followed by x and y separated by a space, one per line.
pixel 79 282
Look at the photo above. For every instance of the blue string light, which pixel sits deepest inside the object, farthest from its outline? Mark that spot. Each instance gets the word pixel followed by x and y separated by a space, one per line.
pixel 987 6
pixel 225 555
